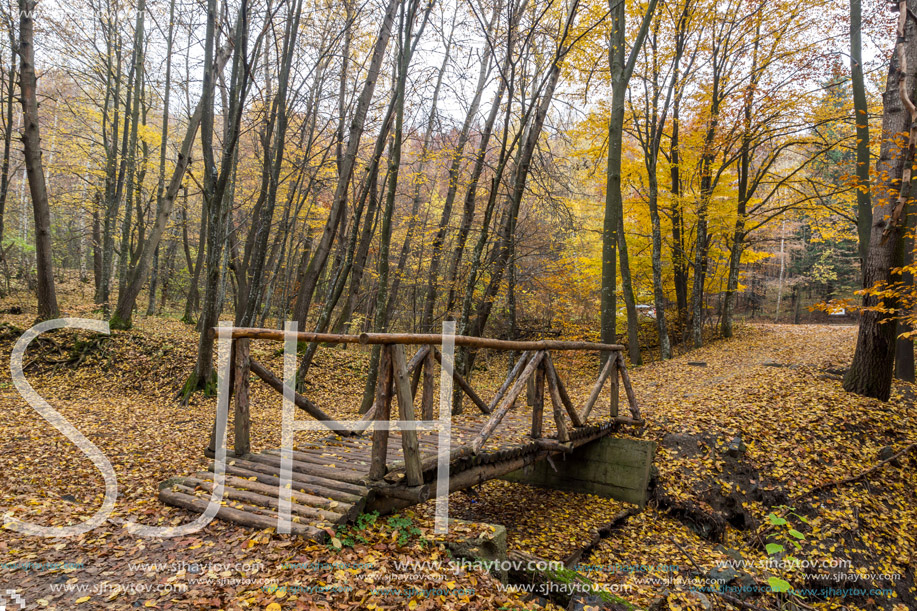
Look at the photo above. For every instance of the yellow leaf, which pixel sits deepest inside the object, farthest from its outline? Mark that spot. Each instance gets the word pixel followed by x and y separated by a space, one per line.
pixel 273 607
pixel 80 601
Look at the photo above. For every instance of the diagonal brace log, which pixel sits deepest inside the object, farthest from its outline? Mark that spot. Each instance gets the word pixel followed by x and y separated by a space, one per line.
pixel 301 402
pixel 415 366
pixel 611 365
pixel 631 397
pixel 463 384
pixel 491 425
pixel 523 359
pixel 554 379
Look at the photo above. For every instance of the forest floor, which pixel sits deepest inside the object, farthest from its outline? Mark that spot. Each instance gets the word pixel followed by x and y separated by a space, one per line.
pixel 748 430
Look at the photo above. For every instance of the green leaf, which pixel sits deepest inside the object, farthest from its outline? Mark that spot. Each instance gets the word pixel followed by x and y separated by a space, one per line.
pixel 775 519
pixel 779 585
pixel 773 548
pixel 797 534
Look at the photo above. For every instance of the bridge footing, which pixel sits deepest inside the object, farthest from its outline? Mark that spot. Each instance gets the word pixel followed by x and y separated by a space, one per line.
pixel 610 467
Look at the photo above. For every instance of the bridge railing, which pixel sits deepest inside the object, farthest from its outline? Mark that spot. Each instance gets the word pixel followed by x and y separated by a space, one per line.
pixel 533 372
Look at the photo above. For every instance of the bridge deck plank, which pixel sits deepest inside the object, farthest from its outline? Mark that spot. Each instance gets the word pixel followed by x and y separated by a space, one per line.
pixel 331 484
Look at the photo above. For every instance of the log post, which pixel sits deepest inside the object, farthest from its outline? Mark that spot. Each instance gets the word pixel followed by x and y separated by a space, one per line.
pixel 610 365
pixel 615 390
pixel 383 410
pixel 210 451
pixel 538 403
pixel 507 402
pixel 426 400
pixel 242 422
pixel 409 442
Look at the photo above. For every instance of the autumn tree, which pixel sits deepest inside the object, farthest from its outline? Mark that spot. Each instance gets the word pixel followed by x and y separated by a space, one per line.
pixel 870 373
pixel 622 64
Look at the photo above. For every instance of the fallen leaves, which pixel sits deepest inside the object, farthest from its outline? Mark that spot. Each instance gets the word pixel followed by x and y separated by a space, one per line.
pixel 799 428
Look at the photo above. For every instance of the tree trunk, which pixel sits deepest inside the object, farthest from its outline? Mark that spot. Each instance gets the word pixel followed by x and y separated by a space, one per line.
pixel 861 120
pixel 133 108
pixel 218 191
pixel 870 373
pixel 706 193
pixel 679 260
pixel 470 202
pixel 904 346
pixel 96 244
pixel 405 52
pixel 630 303
pixel 193 298
pixel 274 143
pixel 621 72
pixel 8 103
pixel 426 321
pixel 407 245
pixel 154 285
pixel 111 126
pixel 665 348
pixel 47 297
pixel 138 274
pixel 323 249
pixel 745 160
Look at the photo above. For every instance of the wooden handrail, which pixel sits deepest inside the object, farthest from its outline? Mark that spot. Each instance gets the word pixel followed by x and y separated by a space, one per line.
pixel 433 339
pixel 400 377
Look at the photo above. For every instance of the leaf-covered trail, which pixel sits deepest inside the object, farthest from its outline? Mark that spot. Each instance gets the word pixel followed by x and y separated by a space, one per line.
pixel 775 386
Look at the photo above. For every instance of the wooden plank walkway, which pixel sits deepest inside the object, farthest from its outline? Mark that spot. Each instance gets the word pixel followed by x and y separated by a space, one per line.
pixel 331 482
pixel 338 477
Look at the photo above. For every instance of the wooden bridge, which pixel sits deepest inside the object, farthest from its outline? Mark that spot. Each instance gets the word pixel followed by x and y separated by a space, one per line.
pixel 351 471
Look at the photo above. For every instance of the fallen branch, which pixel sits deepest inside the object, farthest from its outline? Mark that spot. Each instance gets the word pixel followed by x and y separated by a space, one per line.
pixel 598 535
pixel 859 476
